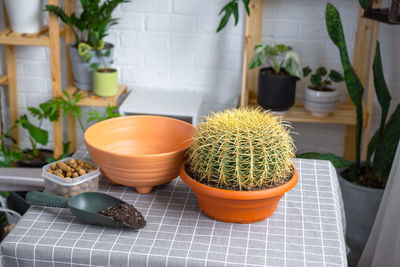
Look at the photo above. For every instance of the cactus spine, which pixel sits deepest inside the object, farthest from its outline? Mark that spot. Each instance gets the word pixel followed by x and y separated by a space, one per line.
pixel 242 149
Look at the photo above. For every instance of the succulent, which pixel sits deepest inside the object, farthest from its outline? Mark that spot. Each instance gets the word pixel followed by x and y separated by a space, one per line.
pixel 242 149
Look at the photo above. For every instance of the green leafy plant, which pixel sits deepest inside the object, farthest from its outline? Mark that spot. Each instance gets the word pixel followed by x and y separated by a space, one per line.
pixel 95 116
pixel 337 161
pixel 242 149
pixel 232 8
pixel 267 54
pixel 320 79
pixel 92 25
pixel 384 142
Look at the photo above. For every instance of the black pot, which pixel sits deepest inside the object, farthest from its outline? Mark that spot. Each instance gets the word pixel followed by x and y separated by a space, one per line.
pixel 38 162
pixel 275 92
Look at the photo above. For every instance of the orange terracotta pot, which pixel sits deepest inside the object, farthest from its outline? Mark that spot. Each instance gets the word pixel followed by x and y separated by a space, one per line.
pixel 139 151
pixel 237 206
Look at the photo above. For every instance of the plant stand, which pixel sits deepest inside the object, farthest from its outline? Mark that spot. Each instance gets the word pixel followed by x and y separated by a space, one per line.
pixel 365 42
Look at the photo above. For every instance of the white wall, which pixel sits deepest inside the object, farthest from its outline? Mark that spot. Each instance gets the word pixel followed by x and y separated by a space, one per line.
pixel 172 45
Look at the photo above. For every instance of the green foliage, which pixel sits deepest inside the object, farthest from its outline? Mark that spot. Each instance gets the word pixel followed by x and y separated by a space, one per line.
pixel 93 23
pixel 8 155
pixel 363 3
pixel 95 116
pixel 320 79
pixel 384 98
pixel 241 149
pixel 232 8
pixel 337 161
pixel 354 86
pixel 264 53
pixel 386 148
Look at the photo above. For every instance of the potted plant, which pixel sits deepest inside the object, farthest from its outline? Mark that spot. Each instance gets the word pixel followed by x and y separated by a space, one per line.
pixel 277 81
pixel 105 80
pixel 320 98
pixel 240 165
pixel 362 184
pixel 89 29
pixel 24 16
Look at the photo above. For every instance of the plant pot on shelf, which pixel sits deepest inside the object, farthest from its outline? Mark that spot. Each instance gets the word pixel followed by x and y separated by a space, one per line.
pixel 105 82
pixel 321 103
pixel 83 73
pixel 237 206
pixel 38 162
pixel 275 92
pixel 361 205
pixel 25 16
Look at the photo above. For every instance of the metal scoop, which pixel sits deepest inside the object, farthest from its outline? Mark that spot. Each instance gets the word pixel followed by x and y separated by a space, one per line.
pixel 84 206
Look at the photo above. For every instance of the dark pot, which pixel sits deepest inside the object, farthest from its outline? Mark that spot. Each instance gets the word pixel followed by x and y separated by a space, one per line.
pixel 361 206
pixel 38 162
pixel 276 92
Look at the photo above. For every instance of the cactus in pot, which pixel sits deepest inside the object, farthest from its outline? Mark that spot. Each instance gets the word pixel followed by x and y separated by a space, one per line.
pixel 240 154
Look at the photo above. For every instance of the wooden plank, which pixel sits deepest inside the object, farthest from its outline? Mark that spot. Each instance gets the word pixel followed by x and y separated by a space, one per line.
pixel 3 79
pixel 69 38
pixel 12 89
pixel 54 34
pixel 98 101
pixel 20 40
pixel 251 38
pixel 344 114
pixel 4 32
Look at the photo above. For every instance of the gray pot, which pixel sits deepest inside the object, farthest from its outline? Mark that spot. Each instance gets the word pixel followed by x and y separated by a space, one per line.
pixel 321 103
pixel 361 205
pixel 83 73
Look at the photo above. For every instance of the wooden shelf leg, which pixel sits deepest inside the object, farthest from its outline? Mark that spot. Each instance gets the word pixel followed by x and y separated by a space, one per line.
pixel 12 90
pixel 251 38
pixel 69 38
pixel 55 76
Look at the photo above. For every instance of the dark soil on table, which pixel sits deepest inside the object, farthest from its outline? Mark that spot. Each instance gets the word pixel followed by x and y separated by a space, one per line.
pixel 37 162
pixel 366 178
pixel 125 214
pixel 224 187
pixel 323 89
pixel 270 71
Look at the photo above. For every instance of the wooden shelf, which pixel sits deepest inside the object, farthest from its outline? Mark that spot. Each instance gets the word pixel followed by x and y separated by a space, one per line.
pixel 92 100
pixel 344 114
pixel 41 38
pixel 3 80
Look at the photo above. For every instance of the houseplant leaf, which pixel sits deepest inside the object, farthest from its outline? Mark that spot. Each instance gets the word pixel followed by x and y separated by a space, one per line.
pixel 384 98
pixel 386 150
pixel 292 65
pixel 39 135
pixel 353 83
pixel 336 76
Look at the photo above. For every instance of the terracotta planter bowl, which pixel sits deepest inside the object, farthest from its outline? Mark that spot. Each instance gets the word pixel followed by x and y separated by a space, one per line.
pixel 237 206
pixel 139 151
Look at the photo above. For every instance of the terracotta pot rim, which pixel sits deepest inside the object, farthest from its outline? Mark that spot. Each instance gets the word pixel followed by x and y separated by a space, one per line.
pixel 137 156
pixel 240 195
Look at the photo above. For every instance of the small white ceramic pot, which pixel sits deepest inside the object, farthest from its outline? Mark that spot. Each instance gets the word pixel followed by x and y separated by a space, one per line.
pixel 321 103
pixel 25 16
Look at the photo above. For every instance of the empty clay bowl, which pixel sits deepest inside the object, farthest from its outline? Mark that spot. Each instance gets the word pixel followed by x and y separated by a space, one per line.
pixel 139 151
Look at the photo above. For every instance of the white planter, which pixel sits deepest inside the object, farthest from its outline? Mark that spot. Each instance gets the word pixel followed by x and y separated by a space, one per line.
pixel 321 103
pixel 25 15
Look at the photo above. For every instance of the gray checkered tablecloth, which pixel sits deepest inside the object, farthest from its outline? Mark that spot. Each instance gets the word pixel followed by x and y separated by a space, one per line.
pixel 305 230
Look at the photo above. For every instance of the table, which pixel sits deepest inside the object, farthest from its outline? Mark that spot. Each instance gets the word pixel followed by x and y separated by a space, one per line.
pixel 305 230
pixel 177 104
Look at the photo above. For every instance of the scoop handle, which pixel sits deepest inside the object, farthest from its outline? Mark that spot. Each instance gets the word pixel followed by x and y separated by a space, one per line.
pixel 43 199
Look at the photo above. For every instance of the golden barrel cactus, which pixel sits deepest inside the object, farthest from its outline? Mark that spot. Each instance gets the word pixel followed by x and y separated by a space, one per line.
pixel 242 149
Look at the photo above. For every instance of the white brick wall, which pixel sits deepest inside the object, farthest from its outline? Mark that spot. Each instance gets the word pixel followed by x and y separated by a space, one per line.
pixel 172 45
